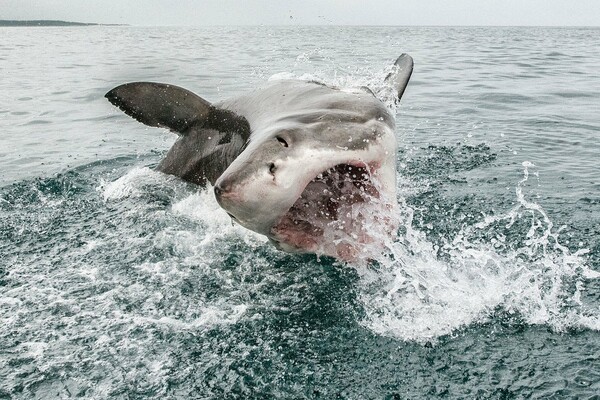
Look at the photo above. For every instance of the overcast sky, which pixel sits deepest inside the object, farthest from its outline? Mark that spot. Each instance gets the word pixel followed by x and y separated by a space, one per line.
pixel 310 12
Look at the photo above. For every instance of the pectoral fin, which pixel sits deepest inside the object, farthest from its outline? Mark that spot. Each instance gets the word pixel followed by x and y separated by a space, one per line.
pixel 210 137
pixel 160 105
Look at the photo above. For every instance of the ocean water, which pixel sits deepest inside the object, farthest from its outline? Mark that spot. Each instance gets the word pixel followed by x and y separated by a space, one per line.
pixel 120 282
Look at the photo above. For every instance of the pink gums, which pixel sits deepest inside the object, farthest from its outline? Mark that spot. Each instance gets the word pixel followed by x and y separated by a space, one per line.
pixel 335 214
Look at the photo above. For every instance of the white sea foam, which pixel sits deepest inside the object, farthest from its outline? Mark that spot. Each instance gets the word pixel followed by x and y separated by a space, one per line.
pixel 128 185
pixel 210 316
pixel 415 295
pixel 203 207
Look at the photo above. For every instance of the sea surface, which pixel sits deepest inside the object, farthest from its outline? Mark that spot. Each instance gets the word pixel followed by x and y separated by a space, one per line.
pixel 119 282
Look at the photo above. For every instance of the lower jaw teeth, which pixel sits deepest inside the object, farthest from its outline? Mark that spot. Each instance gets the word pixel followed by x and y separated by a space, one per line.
pixel 326 210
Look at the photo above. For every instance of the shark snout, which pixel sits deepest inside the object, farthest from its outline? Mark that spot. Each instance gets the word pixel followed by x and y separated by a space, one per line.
pixel 224 196
pixel 224 189
pixel 219 191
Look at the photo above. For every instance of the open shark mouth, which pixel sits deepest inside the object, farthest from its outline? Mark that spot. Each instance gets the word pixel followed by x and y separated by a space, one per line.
pixel 335 214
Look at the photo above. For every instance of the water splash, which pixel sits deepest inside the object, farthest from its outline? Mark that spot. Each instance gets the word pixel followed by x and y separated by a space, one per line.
pixel 131 184
pixel 349 79
pixel 422 291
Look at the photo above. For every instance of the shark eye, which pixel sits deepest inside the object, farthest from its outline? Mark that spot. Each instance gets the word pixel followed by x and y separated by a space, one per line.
pixel 282 141
pixel 272 168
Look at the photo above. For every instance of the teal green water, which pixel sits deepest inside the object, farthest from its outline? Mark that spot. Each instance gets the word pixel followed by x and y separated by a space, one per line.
pixel 120 282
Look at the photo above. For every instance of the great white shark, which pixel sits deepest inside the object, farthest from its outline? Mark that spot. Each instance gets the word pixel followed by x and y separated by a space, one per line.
pixel 310 166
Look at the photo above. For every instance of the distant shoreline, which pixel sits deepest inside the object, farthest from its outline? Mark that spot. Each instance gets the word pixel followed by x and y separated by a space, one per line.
pixel 48 22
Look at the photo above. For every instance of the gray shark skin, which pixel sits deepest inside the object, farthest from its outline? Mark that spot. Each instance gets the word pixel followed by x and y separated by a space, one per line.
pixel 299 162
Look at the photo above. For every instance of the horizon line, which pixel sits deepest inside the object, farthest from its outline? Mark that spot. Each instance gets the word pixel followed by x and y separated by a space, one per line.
pixel 290 25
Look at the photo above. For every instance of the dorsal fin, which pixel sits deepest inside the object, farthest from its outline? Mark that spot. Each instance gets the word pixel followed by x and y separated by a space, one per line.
pixel 400 75
pixel 160 105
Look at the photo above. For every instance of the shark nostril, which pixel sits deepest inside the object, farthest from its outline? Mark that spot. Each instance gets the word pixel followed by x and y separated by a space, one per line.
pixel 272 168
pixel 218 191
